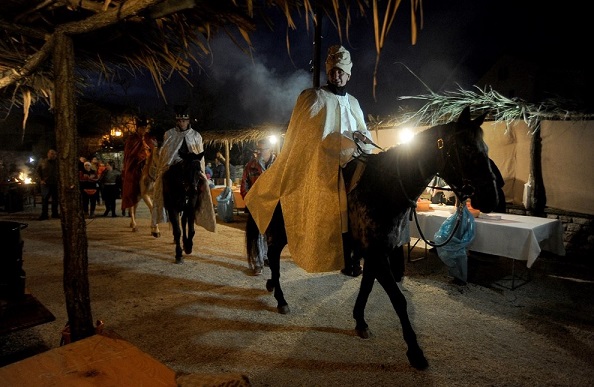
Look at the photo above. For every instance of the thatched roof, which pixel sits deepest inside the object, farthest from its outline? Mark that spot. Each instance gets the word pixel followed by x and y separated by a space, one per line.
pixel 123 37
pixel 240 136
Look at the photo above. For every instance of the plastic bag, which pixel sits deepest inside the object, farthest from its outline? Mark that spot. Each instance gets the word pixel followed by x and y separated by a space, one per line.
pixel 225 204
pixel 453 254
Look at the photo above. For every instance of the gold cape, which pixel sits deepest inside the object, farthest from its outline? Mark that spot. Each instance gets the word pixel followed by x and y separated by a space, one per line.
pixel 307 180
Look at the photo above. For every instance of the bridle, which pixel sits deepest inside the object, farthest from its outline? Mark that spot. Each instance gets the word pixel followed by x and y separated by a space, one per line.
pixel 466 191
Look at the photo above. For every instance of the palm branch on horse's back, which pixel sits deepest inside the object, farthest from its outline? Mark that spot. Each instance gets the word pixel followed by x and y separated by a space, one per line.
pixel 380 202
pixel 183 185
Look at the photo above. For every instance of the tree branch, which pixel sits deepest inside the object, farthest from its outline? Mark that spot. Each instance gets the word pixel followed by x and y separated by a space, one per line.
pixel 95 22
pixel 14 75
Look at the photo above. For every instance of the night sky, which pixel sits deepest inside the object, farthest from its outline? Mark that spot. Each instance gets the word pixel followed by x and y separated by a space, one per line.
pixel 460 40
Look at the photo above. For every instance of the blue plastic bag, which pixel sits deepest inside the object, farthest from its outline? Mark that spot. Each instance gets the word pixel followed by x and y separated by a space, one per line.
pixel 453 254
pixel 225 204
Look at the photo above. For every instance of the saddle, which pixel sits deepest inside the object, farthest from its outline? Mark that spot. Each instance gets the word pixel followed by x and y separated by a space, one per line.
pixel 353 171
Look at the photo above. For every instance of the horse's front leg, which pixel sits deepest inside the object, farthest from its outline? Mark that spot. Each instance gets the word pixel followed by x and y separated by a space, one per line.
pixel 155 232
pixel 174 220
pixel 132 211
pixel 367 282
pixel 188 237
pixel 397 263
pixel 388 282
pixel 273 284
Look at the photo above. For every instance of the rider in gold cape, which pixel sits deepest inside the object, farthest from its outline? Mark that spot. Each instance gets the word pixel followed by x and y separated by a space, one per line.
pixel 306 177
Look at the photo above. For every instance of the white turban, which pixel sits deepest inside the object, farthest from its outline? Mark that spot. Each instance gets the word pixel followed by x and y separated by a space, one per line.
pixel 339 57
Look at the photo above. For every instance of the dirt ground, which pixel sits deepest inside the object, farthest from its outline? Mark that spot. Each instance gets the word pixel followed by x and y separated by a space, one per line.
pixel 211 315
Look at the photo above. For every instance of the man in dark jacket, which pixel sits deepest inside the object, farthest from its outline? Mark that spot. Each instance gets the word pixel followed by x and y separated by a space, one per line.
pixel 47 171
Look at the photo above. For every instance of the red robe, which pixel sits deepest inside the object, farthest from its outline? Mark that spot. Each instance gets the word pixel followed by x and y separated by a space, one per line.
pixel 136 151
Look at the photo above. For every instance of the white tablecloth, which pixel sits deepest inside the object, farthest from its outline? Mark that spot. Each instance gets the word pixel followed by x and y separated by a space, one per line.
pixel 513 236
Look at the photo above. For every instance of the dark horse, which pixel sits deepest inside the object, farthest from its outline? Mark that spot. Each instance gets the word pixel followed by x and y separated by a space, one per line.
pixel 183 185
pixel 379 204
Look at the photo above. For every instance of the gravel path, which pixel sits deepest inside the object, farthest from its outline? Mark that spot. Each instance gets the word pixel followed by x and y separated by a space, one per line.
pixel 211 315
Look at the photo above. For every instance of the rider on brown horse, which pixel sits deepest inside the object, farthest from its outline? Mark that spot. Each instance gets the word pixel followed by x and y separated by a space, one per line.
pixel 137 151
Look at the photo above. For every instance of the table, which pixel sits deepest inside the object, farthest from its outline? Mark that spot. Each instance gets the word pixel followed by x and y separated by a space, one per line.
pixel 518 237
pixel 237 199
pixel 98 360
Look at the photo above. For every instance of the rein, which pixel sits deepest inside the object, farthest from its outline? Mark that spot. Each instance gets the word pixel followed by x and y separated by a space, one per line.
pixel 359 137
pixel 459 209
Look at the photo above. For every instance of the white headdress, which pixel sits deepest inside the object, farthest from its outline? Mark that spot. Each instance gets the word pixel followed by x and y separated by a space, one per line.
pixel 338 56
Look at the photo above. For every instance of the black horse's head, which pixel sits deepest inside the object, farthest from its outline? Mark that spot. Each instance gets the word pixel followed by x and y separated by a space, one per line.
pixel 193 178
pixel 466 166
pixel 184 182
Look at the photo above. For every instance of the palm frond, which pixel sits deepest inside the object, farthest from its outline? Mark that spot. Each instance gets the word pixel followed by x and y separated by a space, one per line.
pixel 440 108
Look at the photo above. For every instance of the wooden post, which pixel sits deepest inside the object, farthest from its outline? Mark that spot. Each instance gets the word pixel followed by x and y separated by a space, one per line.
pixel 227 165
pixel 539 195
pixel 74 234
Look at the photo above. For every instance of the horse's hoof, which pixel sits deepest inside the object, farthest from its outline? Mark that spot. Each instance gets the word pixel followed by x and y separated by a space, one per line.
pixel 283 309
pixel 179 261
pixel 363 333
pixel 155 231
pixel 188 249
pixel 269 286
pixel 417 359
pixel 134 229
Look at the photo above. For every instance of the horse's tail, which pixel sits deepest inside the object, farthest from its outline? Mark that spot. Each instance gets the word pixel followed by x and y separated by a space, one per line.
pixel 251 238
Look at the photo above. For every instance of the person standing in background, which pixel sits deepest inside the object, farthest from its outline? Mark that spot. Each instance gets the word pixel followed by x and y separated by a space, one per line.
pixel 263 158
pixel 81 163
pixel 219 172
pixel 208 171
pixel 47 171
pixel 110 181
pixel 99 167
pixel 89 189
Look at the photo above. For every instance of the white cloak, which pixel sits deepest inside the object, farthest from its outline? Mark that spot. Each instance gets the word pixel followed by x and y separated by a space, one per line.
pixel 172 141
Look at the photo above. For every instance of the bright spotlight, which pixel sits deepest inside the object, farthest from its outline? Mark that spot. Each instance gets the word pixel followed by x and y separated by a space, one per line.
pixel 273 139
pixel 405 136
